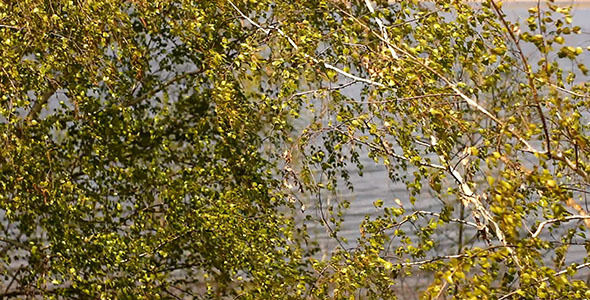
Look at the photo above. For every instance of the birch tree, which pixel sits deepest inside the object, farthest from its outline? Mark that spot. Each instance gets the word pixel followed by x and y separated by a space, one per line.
pixel 181 149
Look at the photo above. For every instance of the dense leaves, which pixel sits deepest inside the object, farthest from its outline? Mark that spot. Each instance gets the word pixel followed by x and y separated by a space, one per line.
pixel 180 149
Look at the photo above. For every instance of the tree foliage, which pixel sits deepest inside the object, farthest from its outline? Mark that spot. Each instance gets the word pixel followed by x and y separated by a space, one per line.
pixel 178 149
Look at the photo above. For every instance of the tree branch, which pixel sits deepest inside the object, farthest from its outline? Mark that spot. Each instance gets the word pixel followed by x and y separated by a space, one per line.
pixel 294 45
pixel 529 75
pixel 578 267
pixel 546 222
pixel 452 86
pixel 40 102
pixel 426 261
pixel 422 212
pixel 161 87
pixel 559 156
pixel 383 30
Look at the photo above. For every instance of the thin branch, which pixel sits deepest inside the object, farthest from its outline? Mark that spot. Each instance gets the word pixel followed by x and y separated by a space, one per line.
pixel 529 74
pixel 546 222
pixel 161 87
pixel 40 102
pixel 327 89
pixel 346 74
pixel 10 26
pixel 382 28
pixel 266 31
pixel 451 85
pixel 294 45
pixel 509 294
pixel 422 212
pixel 384 148
pixel 578 267
pixel 564 90
pixel 162 244
pixel 444 257
pixel 14 243
pixel 426 15
pixel 478 107
pixel 16 273
pixel 408 98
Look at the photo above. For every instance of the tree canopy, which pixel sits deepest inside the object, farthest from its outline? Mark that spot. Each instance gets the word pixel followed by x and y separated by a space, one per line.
pixel 183 149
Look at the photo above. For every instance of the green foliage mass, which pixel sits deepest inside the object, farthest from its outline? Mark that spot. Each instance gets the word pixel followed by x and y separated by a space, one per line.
pixel 169 149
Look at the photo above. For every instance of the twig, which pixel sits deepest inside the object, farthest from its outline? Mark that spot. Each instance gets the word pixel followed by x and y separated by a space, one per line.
pixel 294 45
pixel 327 89
pixel 427 261
pixel 422 212
pixel 36 109
pixel 578 267
pixel 408 98
pixel 161 87
pixel 546 222
pixel 529 75
pixel 382 28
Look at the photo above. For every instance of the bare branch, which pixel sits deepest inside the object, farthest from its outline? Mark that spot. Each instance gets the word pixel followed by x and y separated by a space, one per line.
pixel 546 222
